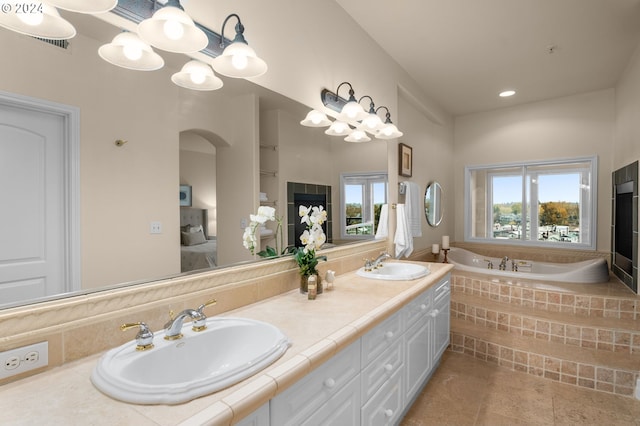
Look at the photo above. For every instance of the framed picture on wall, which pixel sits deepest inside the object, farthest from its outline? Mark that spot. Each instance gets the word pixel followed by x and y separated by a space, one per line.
pixel 185 195
pixel 405 160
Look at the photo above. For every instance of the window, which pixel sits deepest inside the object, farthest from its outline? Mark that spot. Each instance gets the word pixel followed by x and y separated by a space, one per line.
pixel 363 197
pixel 546 203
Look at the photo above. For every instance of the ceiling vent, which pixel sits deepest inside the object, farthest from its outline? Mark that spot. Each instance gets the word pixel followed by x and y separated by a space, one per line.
pixel 63 44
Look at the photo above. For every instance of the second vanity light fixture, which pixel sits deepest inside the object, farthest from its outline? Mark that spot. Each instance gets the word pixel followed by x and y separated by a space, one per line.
pixel 352 120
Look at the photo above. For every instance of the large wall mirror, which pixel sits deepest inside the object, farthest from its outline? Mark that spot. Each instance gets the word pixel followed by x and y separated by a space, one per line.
pixel 228 145
pixel 433 203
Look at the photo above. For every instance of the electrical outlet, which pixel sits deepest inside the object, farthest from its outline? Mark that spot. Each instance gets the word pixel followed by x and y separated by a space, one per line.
pixel 26 358
pixel 156 228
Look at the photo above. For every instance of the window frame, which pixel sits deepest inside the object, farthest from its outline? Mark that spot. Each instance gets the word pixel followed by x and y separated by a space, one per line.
pixel 588 215
pixel 369 178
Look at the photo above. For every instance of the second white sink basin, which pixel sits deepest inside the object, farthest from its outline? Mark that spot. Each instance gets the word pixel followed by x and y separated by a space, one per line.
pixel 227 352
pixel 396 271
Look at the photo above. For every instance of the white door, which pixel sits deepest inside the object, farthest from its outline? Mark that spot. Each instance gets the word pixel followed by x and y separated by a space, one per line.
pixel 33 244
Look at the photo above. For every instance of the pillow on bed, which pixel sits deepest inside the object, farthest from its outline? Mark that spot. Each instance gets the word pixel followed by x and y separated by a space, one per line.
pixel 193 238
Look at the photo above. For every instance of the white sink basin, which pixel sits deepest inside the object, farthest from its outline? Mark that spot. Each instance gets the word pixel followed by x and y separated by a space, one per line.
pixel 396 271
pixel 228 351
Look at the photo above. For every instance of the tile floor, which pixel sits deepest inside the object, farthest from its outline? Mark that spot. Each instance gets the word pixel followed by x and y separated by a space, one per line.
pixel 467 391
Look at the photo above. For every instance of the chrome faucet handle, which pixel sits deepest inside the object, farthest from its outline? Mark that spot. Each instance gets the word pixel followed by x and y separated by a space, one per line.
pixel 200 323
pixel 144 338
pixel 367 264
pixel 489 264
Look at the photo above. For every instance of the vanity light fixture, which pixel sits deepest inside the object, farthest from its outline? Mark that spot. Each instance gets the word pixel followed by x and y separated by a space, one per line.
pixel 388 129
pixel 238 60
pixel 338 128
pixel 197 75
pixel 352 110
pixel 316 118
pixel 171 29
pixel 358 135
pixel 45 22
pixel 371 122
pixel 127 50
pixel 84 6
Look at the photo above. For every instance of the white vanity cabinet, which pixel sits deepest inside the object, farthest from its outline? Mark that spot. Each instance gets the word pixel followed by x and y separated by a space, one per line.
pixel 260 417
pixel 373 380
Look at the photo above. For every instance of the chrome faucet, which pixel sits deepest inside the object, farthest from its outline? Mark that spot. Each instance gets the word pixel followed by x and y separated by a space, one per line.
pixel 514 265
pixel 377 263
pixel 173 327
pixel 503 263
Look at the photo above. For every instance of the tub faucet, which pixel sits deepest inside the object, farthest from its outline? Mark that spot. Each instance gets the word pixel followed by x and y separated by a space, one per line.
pixel 514 265
pixel 503 263
pixel 377 263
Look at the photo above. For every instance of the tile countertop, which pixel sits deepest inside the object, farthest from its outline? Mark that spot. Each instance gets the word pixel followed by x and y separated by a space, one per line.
pixel 317 328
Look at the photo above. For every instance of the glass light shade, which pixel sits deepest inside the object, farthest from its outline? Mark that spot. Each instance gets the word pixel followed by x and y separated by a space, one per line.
pixel 371 123
pixel 357 136
pixel 84 6
pixel 197 75
pixel 128 51
pixel 352 111
pixel 239 60
pixel 389 131
pixel 48 24
pixel 171 29
pixel 315 118
pixel 338 128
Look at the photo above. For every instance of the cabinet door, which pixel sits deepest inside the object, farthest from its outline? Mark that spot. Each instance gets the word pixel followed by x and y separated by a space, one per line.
pixel 301 400
pixel 441 327
pixel 260 417
pixel 386 406
pixel 343 408
pixel 418 356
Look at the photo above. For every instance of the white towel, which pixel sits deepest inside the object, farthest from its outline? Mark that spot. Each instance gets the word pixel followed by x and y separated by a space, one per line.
pixel 383 223
pixel 403 239
pixel 414 208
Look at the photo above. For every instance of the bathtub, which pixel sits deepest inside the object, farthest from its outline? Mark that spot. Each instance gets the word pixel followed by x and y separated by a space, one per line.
pixel 588 271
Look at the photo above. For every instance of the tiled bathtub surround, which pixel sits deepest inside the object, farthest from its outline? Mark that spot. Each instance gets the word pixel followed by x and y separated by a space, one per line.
pixel 573 334
pixel 585 375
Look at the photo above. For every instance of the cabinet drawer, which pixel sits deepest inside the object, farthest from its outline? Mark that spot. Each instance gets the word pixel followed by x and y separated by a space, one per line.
pixel 386 406
pixel 308 394
pixel 417 308
pixel 343 408
pixel 441 289
pixel 380 369
pixel 382 337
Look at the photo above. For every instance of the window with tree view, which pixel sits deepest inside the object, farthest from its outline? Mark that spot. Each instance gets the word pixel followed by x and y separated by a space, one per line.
pixel 363 197
pixel 546 203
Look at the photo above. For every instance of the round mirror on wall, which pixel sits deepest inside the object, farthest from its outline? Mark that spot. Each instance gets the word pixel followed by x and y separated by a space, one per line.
pixel 433 204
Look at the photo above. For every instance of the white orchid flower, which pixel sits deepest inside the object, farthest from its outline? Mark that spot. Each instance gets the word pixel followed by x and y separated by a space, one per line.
pixel 267 212
pixel 303 211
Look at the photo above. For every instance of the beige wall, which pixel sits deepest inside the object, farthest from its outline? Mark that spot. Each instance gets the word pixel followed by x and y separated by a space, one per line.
pixel 573 126
pixel 627 138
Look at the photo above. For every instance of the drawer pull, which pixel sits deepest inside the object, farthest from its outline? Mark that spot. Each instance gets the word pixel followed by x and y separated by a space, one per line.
pixel 388 334
pixel 388 367
pixel 330 383
pixel 434 313
pixel 388 413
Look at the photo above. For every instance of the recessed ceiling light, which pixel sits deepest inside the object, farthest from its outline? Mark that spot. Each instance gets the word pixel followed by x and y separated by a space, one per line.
pixel 507 93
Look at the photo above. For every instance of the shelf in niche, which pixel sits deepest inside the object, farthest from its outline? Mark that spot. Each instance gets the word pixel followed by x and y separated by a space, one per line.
pixel 269 203
pixel 270 173
pixel 269 147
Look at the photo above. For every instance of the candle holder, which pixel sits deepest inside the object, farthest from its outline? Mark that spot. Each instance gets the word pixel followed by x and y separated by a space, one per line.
pixel 445 255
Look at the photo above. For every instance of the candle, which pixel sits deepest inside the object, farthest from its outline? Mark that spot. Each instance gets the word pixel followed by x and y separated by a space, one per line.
pixel 445 242
pixel 435 249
